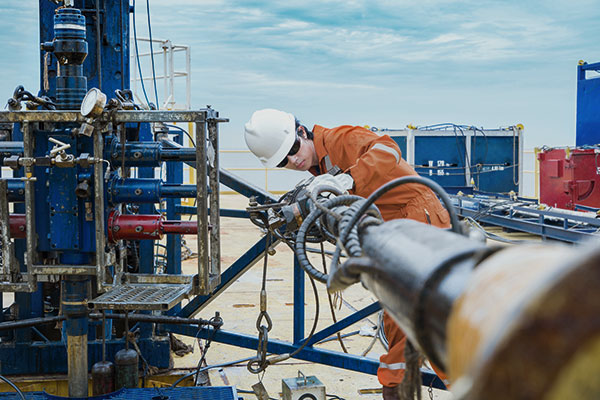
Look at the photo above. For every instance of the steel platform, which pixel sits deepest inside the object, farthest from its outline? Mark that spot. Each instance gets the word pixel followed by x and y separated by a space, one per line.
pixel 133 296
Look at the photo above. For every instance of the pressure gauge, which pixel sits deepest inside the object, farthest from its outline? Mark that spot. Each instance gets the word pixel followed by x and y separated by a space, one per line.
pixel 93 103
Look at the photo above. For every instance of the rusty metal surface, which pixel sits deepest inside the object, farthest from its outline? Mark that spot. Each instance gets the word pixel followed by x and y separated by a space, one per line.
pixel 525 327
pixel 121 116
pixel 99 212
pixel 214 234
pixel 202 211
pixel 160 278
pixel 28 146
pixel 64 269
pixel 141 297
pixel 77 359
pixel 7 252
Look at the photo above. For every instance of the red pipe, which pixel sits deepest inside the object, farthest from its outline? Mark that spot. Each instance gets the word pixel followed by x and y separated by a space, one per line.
pixel 180 227
pixel 142 227
pixel 17 226
pixel 128 227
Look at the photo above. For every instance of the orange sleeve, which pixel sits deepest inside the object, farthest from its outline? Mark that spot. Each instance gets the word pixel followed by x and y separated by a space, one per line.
pixel 372 160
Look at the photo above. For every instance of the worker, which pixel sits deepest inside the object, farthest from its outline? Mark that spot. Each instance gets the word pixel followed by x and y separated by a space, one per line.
pixel 361 161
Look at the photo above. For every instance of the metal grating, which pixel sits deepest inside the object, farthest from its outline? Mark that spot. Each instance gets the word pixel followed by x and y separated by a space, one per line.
pixel 142 297
pixel 181 393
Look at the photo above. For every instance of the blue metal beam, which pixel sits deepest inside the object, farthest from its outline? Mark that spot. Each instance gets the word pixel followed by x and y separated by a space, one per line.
pixel 344 323
pixel 321 356
pixel 51 358
pixel 238 268
pixel 299 282
pixel 569 228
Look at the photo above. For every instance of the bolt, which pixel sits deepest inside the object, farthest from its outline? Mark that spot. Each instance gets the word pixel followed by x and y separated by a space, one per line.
pixel 138 191
pixel 137 154
pixel 139 228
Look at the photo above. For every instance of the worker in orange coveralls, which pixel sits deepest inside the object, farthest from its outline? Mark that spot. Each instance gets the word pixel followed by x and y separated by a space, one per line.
pixel 367 161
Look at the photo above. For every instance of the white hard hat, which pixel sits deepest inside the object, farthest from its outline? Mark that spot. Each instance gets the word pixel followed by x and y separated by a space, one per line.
pixel 270 134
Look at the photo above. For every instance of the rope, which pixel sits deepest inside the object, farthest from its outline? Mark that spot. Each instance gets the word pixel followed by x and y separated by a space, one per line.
pixel 410 387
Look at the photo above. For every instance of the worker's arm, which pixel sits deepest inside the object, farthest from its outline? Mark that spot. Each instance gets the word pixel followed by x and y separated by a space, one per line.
pixel 372 160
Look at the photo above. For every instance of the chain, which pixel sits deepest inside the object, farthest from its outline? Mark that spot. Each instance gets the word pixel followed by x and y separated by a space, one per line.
pixel 430 390
pixel 259 363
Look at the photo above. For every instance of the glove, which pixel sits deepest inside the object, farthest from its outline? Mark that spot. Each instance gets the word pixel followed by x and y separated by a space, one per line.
pixel 340 184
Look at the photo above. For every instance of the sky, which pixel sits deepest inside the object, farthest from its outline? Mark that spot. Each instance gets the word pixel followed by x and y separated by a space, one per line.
pixel 383 63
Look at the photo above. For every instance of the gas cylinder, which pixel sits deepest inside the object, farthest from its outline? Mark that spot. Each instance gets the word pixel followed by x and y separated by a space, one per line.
pixel 126 369
pixel 103 378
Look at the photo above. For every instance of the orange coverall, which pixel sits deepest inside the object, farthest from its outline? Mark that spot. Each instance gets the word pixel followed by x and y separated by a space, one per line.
pixel 374 160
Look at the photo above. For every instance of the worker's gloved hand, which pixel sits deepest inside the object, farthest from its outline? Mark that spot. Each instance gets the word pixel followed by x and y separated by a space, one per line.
pixel 338 184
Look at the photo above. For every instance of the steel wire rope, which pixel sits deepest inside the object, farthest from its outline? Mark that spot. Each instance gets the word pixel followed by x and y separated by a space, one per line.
pixel 98 46
pixel 313 328
pixel 206 347
pixel 152 54
pixel 226 364
pixel 184 131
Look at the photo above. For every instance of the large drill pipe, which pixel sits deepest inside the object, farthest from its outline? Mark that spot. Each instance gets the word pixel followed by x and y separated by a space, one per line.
pixel 137 154
pixel 519 322
pixel 147 154
pixel 146 227
pixel 130 190
pixel 146 190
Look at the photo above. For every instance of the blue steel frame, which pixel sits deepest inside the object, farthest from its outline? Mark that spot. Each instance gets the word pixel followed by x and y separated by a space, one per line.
pixel 588 102
pixel 554 225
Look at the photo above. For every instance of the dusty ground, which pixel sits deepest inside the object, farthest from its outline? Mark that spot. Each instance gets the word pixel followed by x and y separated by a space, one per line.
pixel 239 307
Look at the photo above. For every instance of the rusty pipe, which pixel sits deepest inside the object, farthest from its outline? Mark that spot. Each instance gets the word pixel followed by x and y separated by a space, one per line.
pixel 145 227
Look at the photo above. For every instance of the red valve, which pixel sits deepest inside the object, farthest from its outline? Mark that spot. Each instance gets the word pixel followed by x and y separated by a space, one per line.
pixel 17 226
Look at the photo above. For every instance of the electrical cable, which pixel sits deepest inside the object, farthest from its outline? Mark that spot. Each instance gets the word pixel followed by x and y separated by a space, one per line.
pixel 178 381
pixel 98 46
pixel 300 249
pixel 206 347
pixel 252 392
pixel 314 326
pixel 21 395
pixel 152 54
pixel 137 56
pixel 436 188
pixel 334 397
pixel 184 131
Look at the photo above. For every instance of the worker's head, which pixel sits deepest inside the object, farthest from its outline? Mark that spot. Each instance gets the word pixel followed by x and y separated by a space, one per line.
pixel 279 140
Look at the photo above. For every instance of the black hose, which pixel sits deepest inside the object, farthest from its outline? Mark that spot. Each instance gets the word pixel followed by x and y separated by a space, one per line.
pixel 178 381
pixel 21 395
pixel 308 222
pixel 30 322
pixel 437 189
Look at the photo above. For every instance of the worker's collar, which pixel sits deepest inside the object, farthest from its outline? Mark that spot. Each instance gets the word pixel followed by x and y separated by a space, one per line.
pixel 319 142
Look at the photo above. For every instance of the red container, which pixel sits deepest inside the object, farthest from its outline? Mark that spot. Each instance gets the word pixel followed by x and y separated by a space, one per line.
pixel 570 177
